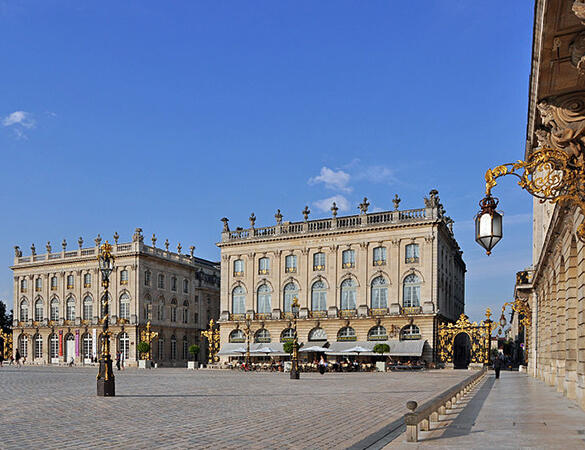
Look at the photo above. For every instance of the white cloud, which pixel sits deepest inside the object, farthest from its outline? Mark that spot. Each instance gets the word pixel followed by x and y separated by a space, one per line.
pixel 21 118
pixel 326 203
pixel 376 174
pixel 332 179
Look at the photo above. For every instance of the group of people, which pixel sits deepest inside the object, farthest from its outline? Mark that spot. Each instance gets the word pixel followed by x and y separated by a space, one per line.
pixel 16 359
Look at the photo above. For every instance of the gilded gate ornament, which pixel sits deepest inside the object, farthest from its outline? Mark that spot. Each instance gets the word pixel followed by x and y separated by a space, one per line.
pixel 479 336
pixel 148 336
pixel 6 338
pixel 213 342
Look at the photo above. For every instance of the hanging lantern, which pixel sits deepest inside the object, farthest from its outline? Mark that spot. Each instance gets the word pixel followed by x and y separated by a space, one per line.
pixel 488 224
pixel 503 320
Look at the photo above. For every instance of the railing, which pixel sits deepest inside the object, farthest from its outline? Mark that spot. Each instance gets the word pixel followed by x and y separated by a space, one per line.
pixel 429 412
pixel 266 231
pixel 378 311
pixel 346 222
pixel 317 314
pixel 408 310
pixel 318 225
pixel 347 312
pixel 412 260
pixel 88 252
pixel 263 316
pixel 123 247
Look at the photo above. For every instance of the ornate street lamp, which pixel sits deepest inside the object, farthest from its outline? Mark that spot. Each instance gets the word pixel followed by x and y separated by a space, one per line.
pixel 294 370
pixel 106 386
pixel 248 330
pixel 488 224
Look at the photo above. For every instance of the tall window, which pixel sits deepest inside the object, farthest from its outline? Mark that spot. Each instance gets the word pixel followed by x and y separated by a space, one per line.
pixel 148 308
pixel 263 266
pixel 125 306
pixel 379 256
pixel 290 264
pixel 173 347
pixel 411 332
pixel 290 292
pixel 174 284
pixel 238 300
pixel 185 311
pixel 87 347
pixel 173 310
pixel 161 348
pixel 379 293
pixel 264 299
pixel 319 261
pixel 124 345
pixel 348 294
pixel 53 283
pixel 70 309
pixel 238 267
pixel 54 314
pixel 23 285
pixel 348 258
pixel 160 312
pixel 87 308
pixel 24 310
pixel 147 278
pixel 38 346
pixel 124 277
pixel 38 284
pixel 185 348
pixel 161 281
pixel 39 310
pixel 87 280
pixel 411 291
pixel 53 346
pixel 412 253
pixel 318 296
pixel 70 282
pixel 23 345
pixel 185 286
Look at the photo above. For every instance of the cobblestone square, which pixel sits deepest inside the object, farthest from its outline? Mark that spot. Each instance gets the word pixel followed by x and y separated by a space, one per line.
pixel 50 407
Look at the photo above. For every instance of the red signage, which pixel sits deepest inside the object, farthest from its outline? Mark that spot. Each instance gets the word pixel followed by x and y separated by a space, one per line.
pixel 60 342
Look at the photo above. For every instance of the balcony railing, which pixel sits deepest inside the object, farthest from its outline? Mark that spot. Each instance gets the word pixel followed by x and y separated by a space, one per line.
pixel 263 271
pixel 411 337
pixel 239 274
pixel 263 316
pixel 348 265
pixel 317 314
pixel 237 316
pixel 380 262
pixel 378 311
pixel 319 267
pixel 347 312
pixel 290 270
pixel 408 310
pixel 412 260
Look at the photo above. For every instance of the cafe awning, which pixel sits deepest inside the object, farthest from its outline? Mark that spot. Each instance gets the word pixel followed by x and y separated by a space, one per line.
pixel 397 348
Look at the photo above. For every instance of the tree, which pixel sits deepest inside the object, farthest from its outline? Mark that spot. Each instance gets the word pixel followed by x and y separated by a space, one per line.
pixel 5 319
pixel 143 348
pixel 381 348
pixel 288 347
pixel 194 350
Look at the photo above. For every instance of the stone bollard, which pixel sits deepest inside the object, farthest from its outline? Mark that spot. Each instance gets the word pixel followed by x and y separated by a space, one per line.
pixel 435 416
pixel 411 421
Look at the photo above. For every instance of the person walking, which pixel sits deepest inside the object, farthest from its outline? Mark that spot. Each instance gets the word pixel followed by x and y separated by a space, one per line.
pixel 1 358
pixel 17 358
pixel 118 357
pixel 498 364
pixel 322 365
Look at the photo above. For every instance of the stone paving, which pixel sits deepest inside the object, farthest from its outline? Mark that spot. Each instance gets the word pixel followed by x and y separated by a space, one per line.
pixel 516 411
pixel 53 407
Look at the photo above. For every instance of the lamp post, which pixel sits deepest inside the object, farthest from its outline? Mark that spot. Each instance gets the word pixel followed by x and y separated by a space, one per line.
pixel 248 330
pixel 294 370
pixel 106 386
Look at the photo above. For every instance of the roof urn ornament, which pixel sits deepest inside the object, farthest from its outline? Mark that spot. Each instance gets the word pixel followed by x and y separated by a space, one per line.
pixel 192 249
pixel 225 221
pixel 80 242
pixel 33 249
pixel 278 217
pixel 153 239
pixel 167 245
pixel 334 209
pixel 98 240
pixel 363 206
pixel 116 237
pixel 252 220
pixel 48 247
pixel 63 245
pixel 137 236
pixel 396 202
pixel 306 212
pixel 179 248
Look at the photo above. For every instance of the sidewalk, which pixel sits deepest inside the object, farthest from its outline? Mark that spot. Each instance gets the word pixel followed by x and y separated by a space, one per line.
pixel 516 411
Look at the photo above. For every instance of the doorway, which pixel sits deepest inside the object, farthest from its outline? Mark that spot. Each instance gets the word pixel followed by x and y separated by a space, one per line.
pixel 461 351
pixel 69 348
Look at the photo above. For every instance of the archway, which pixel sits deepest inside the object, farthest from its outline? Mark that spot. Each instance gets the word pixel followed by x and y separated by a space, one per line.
pixel 461 351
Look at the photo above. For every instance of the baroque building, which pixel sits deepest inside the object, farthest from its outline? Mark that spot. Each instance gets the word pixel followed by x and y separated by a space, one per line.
pixel 555 283
pixel 373 277
pixel 57 296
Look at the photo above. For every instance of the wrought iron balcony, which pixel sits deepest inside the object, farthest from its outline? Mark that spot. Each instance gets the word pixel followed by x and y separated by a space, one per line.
pixel 378 311
pixel 317 314
pixel 347 312
pixel 408 310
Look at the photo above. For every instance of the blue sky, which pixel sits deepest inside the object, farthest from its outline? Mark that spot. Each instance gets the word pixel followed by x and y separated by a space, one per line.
pixel 171 115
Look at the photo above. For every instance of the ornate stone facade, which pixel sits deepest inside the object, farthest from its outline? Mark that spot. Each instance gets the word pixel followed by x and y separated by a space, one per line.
pixel 400 270
pixel 57 307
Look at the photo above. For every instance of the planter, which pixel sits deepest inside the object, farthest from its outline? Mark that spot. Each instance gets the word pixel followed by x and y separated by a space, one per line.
pixel 144 364
pixel 380 366
pixel 192 365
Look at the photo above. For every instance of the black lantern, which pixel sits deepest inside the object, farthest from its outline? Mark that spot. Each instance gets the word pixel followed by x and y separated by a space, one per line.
pixel 503 320
pixel 488 224
pixel 106 262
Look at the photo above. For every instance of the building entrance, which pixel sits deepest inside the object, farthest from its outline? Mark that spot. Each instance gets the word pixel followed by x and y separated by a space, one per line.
pixel 463 343
pixel 461 351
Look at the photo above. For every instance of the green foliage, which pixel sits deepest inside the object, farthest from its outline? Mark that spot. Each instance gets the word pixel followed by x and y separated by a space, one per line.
pixel 381 348
pixel 289 346
pixel 5 319
pixel 194 349
pixel 143 348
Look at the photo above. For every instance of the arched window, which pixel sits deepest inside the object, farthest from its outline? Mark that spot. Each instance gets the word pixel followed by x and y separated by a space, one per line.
pixel 262 335
pixel 238 267
pixel 377 333
pixel 264 299
pixel 185 311
pixel 87 308
pixel 348 258
pixel 53 283
pixel 319 261
pixel 185 348
pixel 125 306
pixel 318 296
pixel 346 334
pixel 290 264
pixel 237 336
pixel 124 277
pixel 379 293
pixel 173 347
pixel 23 345
pixel 87 280
pixel 411 291
pixel 238 300
pixel 24 310
pixel 39 310
pixel 160 311
pixel 173 310
pixel 348 294
pixel 54 347
pixel 290 292
pixel 412 253
pixel 263 266
pixel 317 334
pixel 87 347
pixel 38 346
pixel 287 335
pixel 70 309
pixel 410 332
pixel 54 313
pixel 124 345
